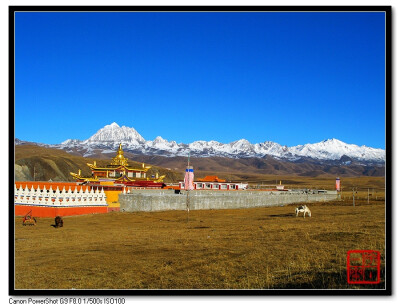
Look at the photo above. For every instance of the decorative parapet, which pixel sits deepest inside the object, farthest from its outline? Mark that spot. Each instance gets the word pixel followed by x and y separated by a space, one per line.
pixel 57 198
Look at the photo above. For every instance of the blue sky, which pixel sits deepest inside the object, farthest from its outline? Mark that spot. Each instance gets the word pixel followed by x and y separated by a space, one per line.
pixel 292 78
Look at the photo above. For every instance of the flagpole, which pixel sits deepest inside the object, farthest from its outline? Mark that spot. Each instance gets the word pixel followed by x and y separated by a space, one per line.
pixel 187 192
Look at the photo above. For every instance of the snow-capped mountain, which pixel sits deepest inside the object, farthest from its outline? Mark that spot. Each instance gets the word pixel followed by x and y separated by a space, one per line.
pixel 108 139
pixel 114 133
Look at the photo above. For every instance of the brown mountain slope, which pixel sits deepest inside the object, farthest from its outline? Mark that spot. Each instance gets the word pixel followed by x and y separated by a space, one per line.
pixel 41 163
pixel 257 167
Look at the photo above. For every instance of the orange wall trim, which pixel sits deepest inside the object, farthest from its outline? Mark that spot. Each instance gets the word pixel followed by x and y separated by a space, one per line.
pixel 113 209
pixel 43 211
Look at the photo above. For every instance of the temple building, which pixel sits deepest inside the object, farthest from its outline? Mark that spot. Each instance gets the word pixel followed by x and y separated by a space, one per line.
pixel 119 172
pixel 215 183
pixel 211 179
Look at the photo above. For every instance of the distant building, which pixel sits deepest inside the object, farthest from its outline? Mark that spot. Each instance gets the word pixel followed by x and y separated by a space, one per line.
pixel 214 183
pixel 211 179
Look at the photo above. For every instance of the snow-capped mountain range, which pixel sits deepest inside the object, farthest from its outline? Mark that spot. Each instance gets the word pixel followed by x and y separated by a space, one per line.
pixel 108 139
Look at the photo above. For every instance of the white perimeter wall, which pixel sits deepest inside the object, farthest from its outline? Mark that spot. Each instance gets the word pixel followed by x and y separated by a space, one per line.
pixel 163 200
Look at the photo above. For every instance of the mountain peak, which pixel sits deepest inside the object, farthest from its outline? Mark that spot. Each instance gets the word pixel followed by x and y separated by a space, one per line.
pixel 116 134
pixel 159 140
pixel 333 141
pixel 241 142
pixel 113 125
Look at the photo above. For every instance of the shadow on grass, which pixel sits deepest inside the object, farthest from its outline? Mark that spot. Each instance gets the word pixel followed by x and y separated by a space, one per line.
pixel 280 215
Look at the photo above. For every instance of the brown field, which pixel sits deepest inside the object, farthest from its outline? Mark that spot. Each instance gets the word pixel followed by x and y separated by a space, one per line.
pixel 260 248
pixel 320 182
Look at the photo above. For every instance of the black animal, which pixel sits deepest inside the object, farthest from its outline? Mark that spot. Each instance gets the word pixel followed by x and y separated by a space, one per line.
pixel 59 221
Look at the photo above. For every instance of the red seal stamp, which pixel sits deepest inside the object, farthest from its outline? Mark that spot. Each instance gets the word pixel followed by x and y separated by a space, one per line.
pixel 363 267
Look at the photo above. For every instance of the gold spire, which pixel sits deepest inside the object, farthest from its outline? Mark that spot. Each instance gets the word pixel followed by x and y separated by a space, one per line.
pixel 119 158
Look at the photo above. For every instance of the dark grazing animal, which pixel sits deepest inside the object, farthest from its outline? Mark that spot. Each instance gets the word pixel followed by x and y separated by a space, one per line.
pixel 59 221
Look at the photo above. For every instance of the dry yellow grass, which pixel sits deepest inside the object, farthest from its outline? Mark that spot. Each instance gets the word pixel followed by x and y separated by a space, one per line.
pixel 260 248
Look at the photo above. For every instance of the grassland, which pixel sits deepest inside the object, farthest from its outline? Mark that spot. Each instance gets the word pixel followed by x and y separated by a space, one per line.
pixel 260 248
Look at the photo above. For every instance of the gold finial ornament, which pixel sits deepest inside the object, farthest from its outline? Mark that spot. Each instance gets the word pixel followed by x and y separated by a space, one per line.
pixel 119 158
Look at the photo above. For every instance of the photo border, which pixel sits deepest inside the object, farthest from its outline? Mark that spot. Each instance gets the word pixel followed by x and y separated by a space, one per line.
pixel 206 292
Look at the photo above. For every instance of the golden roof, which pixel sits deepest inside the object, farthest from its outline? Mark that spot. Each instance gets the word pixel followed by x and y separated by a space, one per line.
pixel 119 159
pixel 115 167
pixel 118 162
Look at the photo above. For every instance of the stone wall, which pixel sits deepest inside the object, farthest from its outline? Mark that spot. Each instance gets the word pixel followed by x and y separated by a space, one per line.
pixel 163 200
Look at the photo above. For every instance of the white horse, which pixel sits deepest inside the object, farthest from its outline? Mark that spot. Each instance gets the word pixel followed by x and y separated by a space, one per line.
pixel 303 209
